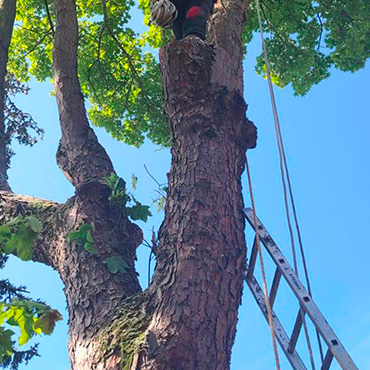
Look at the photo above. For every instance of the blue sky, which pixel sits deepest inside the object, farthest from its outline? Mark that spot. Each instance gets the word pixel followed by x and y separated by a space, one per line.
pixel 327 139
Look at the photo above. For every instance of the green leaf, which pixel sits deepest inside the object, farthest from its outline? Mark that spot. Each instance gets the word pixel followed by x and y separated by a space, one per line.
pixel 134 181
pixel 89 247
pixel 161 201
pixel 32 305
pixel 35 224
pixel 16 220
pixel 47 321
pixel 74 235
pixel 84 238
pixel 84 229
pixel 89 237
pixel 138 212
pixel 24 319
pixel 26 330
pixel 10 245
pixel 5 233
pixel 6 347
pixel 19 234
pixel 24 245
pixel 116 264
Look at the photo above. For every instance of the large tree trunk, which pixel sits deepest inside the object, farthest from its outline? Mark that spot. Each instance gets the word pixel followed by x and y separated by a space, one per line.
pixel 187 317
pixel 201 259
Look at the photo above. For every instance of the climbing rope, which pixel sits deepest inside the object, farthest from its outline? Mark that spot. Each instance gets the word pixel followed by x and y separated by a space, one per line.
pixel 285 175
pixel 162 13
pixel 264 281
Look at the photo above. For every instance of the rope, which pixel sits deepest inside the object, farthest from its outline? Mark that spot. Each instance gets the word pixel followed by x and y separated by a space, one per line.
pixel 265 289
pixel 162 13
pixel 298 230
pixel 285 174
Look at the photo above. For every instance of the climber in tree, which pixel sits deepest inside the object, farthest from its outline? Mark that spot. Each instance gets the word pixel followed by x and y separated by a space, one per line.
pixel 192 18
pixel 185 17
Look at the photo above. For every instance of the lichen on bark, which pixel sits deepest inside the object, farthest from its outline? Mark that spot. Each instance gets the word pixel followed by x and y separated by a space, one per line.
pixel 125 335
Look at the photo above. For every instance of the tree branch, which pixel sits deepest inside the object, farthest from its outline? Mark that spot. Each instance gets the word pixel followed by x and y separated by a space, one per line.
pixel 7 15
pixel 50 215
pixel 50 20
pixel 93 292
pixel 80 155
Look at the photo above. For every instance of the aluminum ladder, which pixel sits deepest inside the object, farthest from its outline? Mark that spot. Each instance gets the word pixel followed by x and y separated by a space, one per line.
pixel 307 306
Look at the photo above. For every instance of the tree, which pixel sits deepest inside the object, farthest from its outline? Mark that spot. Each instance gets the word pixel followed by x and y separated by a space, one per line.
pixel 187 317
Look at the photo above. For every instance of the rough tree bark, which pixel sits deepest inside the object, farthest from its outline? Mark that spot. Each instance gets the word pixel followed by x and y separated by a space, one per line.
pixel 187 317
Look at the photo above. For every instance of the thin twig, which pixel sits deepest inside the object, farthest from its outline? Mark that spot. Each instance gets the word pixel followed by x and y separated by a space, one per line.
pixel 37 44
pixel 321 31
pixel 160 191
pixel 49 17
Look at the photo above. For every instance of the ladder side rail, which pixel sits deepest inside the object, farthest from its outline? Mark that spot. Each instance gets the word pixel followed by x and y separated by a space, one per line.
pixel 305 301
pixel 280 333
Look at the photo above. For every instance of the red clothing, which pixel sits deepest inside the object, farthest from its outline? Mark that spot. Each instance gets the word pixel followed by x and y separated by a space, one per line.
pixel 192 17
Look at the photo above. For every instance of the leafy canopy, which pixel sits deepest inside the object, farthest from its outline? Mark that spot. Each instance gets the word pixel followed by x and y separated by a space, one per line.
pixel 119 70
pixel 305 39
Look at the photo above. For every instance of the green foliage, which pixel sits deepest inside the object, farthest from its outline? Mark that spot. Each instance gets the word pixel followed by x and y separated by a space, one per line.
pixel 84 238
pixel 134 181
pixel 116 264
pixel 19 126
pixel 118 189
pixel 18 236
pixel 120 196
pixel 120 75
pixel 6 347
pixel 30 317
pixel 305 39
pixel 120 79
pixel 160 201
pixel 138 211
pixel 10 354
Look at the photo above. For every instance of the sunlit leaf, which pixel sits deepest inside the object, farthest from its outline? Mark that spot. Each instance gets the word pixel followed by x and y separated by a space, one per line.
pixel 47 321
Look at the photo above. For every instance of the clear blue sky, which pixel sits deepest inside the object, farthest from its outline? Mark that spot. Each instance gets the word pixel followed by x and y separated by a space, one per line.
pixel 327 138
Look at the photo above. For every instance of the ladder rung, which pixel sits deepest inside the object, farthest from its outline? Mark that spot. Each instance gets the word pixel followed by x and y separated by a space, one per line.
pixel 305 301
pixel 274 286
pixel 253 259
pixel 327 360
pixel 296 331
pixel 280 333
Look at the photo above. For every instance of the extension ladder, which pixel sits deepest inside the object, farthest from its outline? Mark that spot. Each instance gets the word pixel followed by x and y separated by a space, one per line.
pixel 307 305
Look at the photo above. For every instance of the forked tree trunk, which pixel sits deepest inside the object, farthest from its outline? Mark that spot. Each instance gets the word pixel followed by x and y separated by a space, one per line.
pixel 187 317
